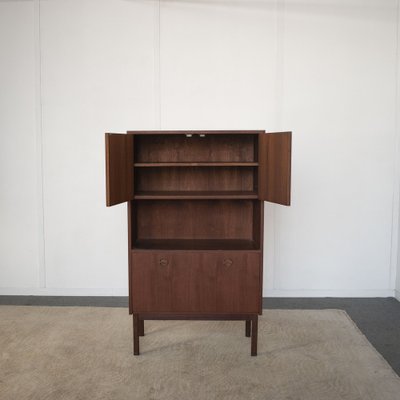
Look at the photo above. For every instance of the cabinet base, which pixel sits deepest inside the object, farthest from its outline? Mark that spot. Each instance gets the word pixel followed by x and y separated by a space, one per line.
pixel 251 327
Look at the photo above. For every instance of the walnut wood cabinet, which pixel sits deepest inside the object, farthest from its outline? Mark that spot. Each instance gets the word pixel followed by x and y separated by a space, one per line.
pixel 195 220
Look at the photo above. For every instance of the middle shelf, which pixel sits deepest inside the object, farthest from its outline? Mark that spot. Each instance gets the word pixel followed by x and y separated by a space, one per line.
pixel 195 194
pixel 195 164
pixel 196 244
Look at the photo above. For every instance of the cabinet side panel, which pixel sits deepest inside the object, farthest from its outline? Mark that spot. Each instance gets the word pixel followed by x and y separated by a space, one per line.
pixel 261 226
pixel 130 224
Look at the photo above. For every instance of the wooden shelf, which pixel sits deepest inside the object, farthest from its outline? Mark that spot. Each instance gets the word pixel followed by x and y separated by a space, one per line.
pixel 198 132
pixel 195 244
pixel 196 164
pixel 192 195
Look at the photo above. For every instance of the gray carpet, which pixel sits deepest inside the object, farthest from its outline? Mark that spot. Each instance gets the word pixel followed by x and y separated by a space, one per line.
pixel 86 353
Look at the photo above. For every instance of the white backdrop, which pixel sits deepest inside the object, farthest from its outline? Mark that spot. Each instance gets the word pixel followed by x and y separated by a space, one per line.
pixel 327 70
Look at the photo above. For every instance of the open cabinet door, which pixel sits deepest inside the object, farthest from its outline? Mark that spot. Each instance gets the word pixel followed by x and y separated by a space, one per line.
pixel 274 158
pixel 119 168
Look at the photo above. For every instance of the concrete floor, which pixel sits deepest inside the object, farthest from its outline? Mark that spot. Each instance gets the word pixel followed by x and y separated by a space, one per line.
pixel 377 318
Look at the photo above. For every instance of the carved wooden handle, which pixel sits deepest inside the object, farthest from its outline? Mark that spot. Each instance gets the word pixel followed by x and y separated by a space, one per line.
pixel 227 262
pixel 163 262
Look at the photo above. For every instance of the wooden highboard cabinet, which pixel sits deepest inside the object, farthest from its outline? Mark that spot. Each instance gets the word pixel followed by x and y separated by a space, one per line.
pixel 195 220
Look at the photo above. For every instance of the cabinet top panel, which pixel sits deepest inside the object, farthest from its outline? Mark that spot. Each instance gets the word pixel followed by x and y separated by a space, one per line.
pixel 196 132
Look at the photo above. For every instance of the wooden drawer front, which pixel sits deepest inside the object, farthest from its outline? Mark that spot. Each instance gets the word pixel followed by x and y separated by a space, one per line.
pixel 197 282
pixel 238 286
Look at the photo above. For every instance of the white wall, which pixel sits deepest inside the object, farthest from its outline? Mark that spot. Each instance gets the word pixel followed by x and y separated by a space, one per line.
pixel 325 70
pixel 97 76
pixel 20 225
pixel 339 72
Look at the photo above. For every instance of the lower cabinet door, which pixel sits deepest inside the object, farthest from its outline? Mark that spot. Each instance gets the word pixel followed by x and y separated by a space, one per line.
pixel 196 282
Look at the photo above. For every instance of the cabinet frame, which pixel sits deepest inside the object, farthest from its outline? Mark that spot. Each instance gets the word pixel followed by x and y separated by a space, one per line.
pixel 151 152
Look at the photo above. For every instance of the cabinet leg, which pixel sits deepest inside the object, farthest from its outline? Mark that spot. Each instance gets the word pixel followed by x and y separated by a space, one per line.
pixel 254 334
pixel 135 334
pixel 141 327
pixel 248 327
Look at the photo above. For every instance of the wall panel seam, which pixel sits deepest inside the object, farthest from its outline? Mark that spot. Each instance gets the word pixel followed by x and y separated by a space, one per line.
pixel 39 145
pixel 394 249
pixel 279 82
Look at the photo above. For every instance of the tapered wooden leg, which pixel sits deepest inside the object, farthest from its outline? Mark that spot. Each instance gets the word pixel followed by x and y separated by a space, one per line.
pixel 141 327
pixel 248 327
pixel 254 334
pixel 136 334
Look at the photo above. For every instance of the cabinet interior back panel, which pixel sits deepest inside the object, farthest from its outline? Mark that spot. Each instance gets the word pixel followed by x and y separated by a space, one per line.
pixel 194 179
pixel 180 148
pixel 201 219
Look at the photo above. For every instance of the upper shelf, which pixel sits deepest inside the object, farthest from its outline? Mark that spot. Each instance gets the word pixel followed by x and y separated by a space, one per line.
pixel 197 164
pixel 194 194
pixel 197 132
pixel 196 244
